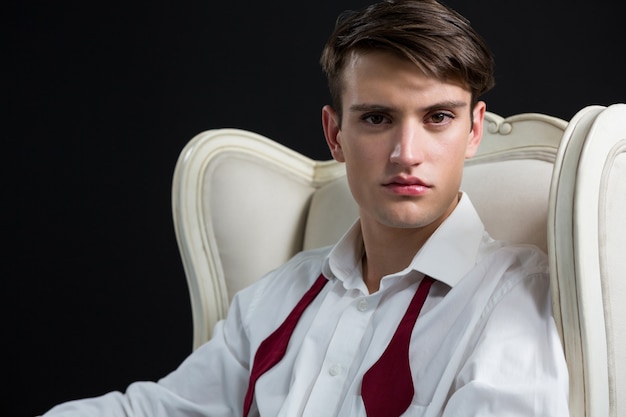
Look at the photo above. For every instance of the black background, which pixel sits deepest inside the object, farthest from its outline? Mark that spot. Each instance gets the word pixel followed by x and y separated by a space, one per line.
pixel 99 99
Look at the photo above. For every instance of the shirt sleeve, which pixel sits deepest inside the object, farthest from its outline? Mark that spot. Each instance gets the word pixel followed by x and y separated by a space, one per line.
pixel 517 367
pixel 211 382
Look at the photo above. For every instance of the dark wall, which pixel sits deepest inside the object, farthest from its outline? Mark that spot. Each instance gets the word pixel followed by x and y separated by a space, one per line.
pixel 99 99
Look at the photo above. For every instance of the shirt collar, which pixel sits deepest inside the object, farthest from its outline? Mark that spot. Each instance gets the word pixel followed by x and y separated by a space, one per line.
pixel 458 238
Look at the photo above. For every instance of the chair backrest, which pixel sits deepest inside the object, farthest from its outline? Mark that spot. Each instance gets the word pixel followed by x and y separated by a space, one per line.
pixel 244 204
pixel 587 246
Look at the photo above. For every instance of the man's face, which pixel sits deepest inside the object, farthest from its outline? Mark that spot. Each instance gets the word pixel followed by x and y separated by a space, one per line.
pixel 404 138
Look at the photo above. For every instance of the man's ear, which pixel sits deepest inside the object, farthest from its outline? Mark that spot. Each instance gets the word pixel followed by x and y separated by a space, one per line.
pixel 476 134
pixel 330 123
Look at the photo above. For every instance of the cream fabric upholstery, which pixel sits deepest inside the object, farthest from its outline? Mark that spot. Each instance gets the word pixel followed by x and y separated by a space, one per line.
pixel 243 204
pixel 587 230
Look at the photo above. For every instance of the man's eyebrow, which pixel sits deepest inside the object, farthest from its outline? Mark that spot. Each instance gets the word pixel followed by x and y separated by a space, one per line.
pixel 369 107
pixel 449 104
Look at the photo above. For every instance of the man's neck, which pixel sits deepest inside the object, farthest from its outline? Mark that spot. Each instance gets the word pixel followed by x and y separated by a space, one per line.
pixel 389 250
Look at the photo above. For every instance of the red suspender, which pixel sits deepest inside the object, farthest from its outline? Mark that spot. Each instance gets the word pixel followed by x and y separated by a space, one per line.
pixel 387 387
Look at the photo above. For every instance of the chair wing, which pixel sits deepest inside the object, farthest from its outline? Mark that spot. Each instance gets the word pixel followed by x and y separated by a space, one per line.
pixel 587 244
pixel 240 205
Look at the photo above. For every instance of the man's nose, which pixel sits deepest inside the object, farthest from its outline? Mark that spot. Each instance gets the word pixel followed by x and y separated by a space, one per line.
pixel 408 147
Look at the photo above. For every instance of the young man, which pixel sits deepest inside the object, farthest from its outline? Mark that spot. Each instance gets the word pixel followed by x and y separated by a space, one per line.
pixel 416 311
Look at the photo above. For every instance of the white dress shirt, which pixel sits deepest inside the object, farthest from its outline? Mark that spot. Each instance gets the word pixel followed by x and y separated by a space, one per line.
pixel 485 343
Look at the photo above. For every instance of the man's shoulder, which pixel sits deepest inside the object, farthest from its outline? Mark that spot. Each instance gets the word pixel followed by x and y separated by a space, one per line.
pixel 512 264
pixel 306 260
pixel 275 294
pixel 525 255
pixel 311 255
pixel 528 257
pixel 302 267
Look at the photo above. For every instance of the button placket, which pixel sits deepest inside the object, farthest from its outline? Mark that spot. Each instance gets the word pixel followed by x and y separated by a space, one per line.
pixel 341 351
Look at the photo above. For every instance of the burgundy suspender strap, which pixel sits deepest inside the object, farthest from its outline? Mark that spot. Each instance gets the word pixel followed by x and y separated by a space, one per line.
pixel 272 349
pixel 387 387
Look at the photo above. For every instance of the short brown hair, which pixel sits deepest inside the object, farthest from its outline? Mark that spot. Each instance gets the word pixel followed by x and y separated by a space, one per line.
pixel 437 39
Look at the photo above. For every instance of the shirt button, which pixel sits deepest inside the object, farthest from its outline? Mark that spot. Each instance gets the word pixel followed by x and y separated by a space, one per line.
pixel 334 370
pixel 362 305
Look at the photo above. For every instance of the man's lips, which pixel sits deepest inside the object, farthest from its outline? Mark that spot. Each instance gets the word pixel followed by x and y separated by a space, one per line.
pixel 405 185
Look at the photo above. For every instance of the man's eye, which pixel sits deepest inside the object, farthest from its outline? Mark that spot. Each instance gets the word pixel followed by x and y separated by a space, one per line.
pixel 374 119
pixel 440 117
